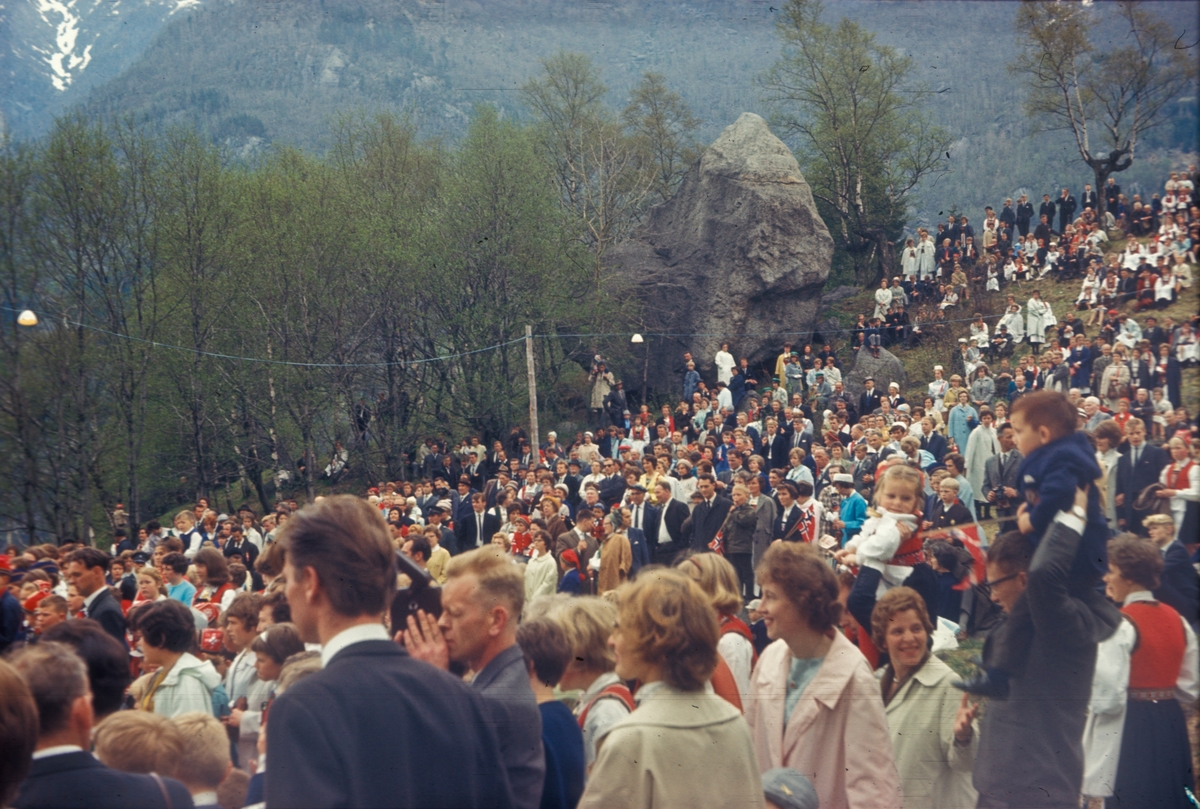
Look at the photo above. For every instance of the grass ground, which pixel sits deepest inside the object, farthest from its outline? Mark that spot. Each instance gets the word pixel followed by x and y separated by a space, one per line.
pixel 942 339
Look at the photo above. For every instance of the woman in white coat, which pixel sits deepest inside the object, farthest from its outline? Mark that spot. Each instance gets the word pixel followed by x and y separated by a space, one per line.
pixel 1037 316
pixel 981 445
pixel 1015 323
pixel 925 255
pixel 883 299
pixel 724 362
pixel 908 261
pixel 933 728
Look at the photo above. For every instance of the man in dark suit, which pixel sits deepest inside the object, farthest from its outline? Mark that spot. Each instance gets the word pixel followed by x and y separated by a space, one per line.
pixel 65 774
pixel 476 527
pixel 666 537
pixel 475 470
pixel 643 517
pixel 1000 471
pixel 86 569
pixel 1112 194
pixel 612 486
pixel 868 402
pixel 1024 215
pixel 478 628
pixel 773 446
pixel 374 727
pixel 1139 466
pixel 709 515
pixel 1089 198
pixel 1047 209
pixel 1066 210
pixel 932 442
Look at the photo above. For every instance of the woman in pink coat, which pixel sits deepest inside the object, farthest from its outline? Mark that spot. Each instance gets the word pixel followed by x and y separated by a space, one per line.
pixel 814 705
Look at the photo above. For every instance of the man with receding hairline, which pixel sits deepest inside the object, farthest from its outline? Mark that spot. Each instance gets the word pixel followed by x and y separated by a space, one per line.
pixel 481 604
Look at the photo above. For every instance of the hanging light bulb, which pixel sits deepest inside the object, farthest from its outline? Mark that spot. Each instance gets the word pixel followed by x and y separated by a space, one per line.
pixel 27 318
pixel 637 338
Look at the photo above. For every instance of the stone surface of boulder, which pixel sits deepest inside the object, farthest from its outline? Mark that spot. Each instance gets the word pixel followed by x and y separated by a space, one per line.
pixel 738 255
pixel 885 369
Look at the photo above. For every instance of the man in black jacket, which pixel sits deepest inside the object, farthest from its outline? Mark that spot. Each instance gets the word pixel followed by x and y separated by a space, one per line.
pixel 64 773
pixel 477 527
pixel 1024 215
pixel 1066 210
pixel 709 515
pixel 1089 198
pixel 1112 194
pixel 374 727
pixel 86 569
pixel 1047 209
pixel 1138 467
pixel 666 535
pixel 868 402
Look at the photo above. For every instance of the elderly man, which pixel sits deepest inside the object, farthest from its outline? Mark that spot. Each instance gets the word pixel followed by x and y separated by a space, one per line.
pixel 375 727
pixel 1091 406
pixel 481 604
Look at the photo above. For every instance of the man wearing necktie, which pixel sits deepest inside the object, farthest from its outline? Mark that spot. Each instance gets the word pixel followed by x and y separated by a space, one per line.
pixel 639 522
pixel 1000 477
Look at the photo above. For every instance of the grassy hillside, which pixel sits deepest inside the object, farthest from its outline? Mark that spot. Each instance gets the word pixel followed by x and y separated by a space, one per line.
pixel 941 342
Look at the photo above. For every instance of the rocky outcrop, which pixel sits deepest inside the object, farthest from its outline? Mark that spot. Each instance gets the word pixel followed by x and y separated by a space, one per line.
pixel 884 369
pixel 738 255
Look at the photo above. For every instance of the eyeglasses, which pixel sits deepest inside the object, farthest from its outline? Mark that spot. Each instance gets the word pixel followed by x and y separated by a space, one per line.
pixel 988 585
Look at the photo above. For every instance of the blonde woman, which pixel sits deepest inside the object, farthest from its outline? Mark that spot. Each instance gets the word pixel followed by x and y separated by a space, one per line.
pixel 666 751
pixel 719 581
pixel 951 398
pixel 1181 479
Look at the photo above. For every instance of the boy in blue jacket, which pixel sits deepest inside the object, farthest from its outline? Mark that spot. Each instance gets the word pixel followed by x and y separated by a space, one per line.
pixel 1058 461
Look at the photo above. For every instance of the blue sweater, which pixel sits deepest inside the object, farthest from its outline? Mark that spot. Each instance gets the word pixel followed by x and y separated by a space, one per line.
pixel 565 765
pixel 1048 478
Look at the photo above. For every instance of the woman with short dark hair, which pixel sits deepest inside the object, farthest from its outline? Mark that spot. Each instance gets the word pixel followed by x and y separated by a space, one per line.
pixel 814 705
pixel 666 751
pixel 934 735
pixel 182 682
pixel 1154 764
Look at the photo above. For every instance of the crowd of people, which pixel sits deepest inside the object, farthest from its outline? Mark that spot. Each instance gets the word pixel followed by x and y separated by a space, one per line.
pixel 733 601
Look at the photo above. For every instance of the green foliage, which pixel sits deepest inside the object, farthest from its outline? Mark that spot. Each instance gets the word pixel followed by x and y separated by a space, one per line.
pixel 347 274
pixel 862 136
pixel 664 129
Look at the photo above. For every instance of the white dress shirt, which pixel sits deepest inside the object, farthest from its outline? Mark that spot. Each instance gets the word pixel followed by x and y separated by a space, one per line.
pixel 351 636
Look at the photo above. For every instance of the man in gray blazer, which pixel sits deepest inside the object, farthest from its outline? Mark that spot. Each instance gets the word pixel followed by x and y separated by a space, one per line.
pixel 1000 477
pixel 482 600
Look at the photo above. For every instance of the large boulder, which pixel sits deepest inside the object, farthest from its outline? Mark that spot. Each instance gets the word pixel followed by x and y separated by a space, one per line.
pixel 738 255
pixel 884 369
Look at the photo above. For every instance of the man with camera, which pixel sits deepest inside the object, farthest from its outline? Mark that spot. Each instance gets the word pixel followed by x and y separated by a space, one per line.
pixel 1000 477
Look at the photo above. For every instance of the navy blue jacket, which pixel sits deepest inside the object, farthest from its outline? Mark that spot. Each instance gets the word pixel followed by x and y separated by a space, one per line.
pixel 1048 478
pixel 79 780
pixel 377 727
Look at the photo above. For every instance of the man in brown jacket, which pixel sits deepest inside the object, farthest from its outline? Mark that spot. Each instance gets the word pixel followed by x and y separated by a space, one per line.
pixel 616 554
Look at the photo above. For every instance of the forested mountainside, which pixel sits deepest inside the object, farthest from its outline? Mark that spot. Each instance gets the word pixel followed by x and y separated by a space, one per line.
pixel 252 72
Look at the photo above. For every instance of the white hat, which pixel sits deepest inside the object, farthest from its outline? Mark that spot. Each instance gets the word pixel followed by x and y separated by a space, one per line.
pixel 843 478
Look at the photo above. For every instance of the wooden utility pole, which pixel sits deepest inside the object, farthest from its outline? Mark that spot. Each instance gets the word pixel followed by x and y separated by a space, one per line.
pixel 534 442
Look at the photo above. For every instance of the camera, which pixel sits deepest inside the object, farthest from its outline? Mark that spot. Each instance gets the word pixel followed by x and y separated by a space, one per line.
pixel 1001 500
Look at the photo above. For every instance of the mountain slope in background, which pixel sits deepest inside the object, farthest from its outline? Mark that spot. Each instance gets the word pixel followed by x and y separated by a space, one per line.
pixel 52 52
pixel 253 72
